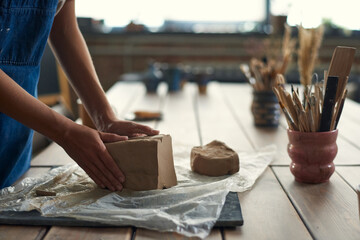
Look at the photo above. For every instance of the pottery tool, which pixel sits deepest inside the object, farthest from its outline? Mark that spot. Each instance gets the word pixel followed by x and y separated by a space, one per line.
pixel 246 70
pixel 329 103
pixel 340 66
pixel 261 73
pixel 143 116
pixel 41 193
pixel 301 115
pixel 322 102
pixel 339 109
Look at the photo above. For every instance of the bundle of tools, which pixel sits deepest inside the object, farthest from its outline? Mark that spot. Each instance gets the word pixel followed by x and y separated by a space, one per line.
pixel 322 102
pixel 261 74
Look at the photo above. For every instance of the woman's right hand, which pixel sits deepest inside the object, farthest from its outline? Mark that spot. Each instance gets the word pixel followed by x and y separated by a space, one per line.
pixel 86 147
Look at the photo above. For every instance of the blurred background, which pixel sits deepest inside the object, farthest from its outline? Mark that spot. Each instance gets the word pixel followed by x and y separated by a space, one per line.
pixel 128 38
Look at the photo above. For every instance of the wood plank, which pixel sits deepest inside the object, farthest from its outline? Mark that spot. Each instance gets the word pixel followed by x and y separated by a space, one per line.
pixel 144 234
pixel 33 172
pixel 256 202
pixel 239 97
pixel 348 154
pixel 77 233
pixel 180 122
pixel 179 118
pixel 217 122
pixel 351 111
pixel 350 174
pixel 21 232
pixel 329 210
pixel 123 94
pixel 349 130
pixel 268 213
pixel 150 102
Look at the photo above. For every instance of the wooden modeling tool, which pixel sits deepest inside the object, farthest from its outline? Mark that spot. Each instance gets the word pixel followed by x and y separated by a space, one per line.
pixel 340 66
pixel 329 103
pixel 143 116
pixel 338 111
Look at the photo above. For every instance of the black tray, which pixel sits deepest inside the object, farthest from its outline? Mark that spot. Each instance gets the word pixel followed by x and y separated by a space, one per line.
pixel 230 217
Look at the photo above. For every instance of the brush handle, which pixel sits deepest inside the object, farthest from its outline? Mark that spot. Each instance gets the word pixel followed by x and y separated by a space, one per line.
pixel 339 112
pixel 329 103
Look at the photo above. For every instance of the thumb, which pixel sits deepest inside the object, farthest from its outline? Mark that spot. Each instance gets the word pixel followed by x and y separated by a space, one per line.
pixel 111 137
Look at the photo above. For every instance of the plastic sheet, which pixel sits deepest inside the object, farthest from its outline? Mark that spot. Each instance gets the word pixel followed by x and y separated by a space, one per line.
pixel 191 208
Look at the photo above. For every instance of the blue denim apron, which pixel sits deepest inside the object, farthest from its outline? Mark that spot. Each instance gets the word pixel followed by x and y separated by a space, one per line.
pixel 24 29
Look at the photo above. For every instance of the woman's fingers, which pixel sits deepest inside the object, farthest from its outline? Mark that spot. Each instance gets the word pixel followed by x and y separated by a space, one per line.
pixel 112 167
pixel 92 175
pixel 106 157
pixel 111 137
pixel 99 172
pixel 130 129
pixel 87 148
pixel 142 129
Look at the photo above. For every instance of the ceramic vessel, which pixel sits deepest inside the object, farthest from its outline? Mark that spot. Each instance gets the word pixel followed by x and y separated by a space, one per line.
pixel 312 155
pixel 173 77
pixel 265 109
pixel 152 78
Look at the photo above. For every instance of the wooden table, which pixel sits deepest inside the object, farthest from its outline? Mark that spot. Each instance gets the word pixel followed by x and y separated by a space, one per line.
pixel 276 208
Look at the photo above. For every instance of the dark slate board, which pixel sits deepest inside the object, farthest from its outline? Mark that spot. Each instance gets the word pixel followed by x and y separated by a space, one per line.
pixel 230 217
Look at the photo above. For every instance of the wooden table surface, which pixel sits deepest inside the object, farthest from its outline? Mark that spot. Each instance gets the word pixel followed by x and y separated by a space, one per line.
pixel 277 207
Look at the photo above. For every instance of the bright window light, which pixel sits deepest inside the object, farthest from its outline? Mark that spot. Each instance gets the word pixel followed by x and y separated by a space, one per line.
pixel 153 13
pixel 311 13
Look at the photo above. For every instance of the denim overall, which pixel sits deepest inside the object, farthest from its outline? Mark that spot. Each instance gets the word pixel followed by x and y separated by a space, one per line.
pixel 24 29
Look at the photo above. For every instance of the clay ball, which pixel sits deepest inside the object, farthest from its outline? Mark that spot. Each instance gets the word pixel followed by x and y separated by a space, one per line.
pixel 214 159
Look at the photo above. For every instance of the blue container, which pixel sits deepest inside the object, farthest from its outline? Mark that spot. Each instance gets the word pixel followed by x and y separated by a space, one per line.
pixel 173 77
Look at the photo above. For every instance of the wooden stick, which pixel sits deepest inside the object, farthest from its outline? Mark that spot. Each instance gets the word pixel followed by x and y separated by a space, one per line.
pixel 339 110
pixel 329 103
pixel 340 66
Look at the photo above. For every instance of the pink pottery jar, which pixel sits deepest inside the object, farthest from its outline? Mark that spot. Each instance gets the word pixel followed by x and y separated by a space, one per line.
pixel 312 155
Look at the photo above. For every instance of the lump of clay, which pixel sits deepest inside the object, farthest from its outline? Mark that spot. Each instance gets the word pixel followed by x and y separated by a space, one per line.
pixel 214 159
pixel 147 162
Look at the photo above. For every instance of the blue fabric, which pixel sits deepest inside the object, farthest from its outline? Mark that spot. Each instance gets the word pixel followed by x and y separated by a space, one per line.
pixel 24 29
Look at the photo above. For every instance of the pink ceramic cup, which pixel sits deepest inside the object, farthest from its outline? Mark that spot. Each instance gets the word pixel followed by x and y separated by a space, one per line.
pixel 312 155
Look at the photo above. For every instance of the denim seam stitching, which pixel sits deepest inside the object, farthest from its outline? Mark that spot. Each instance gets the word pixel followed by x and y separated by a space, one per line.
pixel 5 62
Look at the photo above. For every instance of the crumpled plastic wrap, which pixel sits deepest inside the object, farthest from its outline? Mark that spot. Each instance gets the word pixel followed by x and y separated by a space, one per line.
pixel 191 208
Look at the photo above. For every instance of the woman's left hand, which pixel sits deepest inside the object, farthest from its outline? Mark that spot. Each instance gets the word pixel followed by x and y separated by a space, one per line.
pixel 128 128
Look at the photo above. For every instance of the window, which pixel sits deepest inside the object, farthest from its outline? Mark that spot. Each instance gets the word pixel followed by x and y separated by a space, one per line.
pixel 311 13
pixel 206 16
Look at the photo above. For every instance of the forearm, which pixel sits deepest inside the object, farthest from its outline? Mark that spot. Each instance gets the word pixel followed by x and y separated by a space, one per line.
pixel 73 55
pixel 20 105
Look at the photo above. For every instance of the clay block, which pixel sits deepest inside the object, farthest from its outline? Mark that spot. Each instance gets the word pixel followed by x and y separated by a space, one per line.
pixel 214 159
pixel 147 162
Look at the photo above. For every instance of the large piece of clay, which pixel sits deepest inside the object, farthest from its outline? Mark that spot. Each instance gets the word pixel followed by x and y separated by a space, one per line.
pixel 147 162
pixel 214 159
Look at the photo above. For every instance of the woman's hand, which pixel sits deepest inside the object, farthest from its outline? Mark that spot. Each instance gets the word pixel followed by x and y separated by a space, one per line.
pixel 86 146
pixel 127 128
